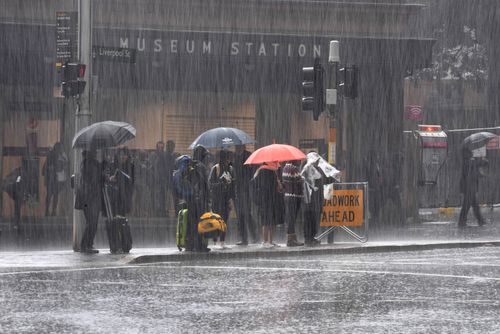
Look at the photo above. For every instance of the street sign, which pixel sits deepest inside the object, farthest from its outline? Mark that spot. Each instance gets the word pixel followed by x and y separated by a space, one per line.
pixel 493 144
pixel 123 55
pixel 414 113
pixel 66 37
pixel 344 208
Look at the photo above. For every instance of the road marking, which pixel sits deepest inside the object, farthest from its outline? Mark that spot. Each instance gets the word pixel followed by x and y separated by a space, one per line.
pixel 389 262
pixel 370 272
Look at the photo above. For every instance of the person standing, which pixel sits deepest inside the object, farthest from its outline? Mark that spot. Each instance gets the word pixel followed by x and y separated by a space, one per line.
pixel 292 190
pixel 159 169
pixel 170 157
pixel 89 198
pixel 243 174
pixel 190 181
pixel 222 188
pixel 266 197
pixel 314 179
pixel 55 171
pixel 124 178
pixel 469 186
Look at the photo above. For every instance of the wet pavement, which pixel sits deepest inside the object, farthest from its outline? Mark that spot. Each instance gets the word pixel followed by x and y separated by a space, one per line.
pixel 433 291
pixel 429 277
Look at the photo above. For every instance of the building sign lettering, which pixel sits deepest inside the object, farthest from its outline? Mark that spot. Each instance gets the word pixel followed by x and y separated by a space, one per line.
pixel 224 45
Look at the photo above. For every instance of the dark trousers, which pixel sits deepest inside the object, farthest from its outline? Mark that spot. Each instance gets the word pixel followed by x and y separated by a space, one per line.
pixel 162 199
pixel 52 196
pixel 470 199
pixel 245 220
pixel 193 238
pixel 17 210
pixel 311 222
pixel 292 207
pixel 91 214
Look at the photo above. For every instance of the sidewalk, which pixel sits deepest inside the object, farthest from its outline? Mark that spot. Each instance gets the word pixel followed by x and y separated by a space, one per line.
pixel 438 230
pixel 428 236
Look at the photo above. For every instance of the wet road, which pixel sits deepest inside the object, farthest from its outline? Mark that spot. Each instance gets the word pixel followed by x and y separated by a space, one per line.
pixel 438 291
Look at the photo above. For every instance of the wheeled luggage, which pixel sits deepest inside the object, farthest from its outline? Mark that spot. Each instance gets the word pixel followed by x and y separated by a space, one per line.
pixel 117 228
pixel 181 234
pixel 181 230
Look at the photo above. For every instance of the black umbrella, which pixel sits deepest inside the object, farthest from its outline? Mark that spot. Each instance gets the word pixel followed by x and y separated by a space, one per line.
pixel 104 134
pixel 222 137
pixel 478 140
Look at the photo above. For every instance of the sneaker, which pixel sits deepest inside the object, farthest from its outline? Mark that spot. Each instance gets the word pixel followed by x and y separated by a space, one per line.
pixel 267 245
pixel 242 243
pixel 275 245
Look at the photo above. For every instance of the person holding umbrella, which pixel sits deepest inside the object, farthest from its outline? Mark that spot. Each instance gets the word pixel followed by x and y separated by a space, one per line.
pixel 266 197
pixel 469 185
pixel 222 188
pixel 89 198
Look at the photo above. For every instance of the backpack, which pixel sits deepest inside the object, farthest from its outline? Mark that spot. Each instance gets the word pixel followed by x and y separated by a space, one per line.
pixel 211 225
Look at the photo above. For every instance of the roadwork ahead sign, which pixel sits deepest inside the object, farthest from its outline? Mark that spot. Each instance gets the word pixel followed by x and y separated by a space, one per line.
pixel 344 208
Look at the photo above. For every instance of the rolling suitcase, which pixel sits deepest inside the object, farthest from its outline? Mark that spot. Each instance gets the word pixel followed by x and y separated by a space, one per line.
pixel 117 228
pixel 181 230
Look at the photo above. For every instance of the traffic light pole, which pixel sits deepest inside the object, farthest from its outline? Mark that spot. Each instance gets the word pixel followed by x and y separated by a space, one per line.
pixel 83 104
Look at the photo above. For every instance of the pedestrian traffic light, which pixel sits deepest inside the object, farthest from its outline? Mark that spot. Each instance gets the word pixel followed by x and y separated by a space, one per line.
pixel 348 84
pixel 72 85
pixel 312 90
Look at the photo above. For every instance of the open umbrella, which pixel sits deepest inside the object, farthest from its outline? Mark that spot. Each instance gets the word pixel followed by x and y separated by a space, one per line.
pixel 477 140
pixel 222 137
pixel 275 153
pixel 104 134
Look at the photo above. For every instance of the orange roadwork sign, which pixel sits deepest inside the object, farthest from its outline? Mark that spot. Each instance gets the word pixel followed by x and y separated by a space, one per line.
pixel 345 208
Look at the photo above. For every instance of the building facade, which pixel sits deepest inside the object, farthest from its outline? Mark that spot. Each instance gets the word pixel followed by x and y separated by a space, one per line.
pixel 202 64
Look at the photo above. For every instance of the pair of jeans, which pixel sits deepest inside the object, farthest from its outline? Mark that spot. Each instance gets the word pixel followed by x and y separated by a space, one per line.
pixel 312 217
pixel 292 207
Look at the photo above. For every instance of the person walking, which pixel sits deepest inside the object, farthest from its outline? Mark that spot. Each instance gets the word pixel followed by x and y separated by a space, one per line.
pixel 266 197
pixel 469 186
pixel 89 198
pixel 222 189
pixel 243 174
pixel 190 181
pixel 55 172
pixel 292 191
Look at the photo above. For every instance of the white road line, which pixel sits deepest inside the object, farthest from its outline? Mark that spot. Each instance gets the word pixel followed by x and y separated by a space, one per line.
pixel 284 269
pixel 370 272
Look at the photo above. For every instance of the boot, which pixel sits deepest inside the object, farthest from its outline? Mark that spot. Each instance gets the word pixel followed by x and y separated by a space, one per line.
pixel 292 241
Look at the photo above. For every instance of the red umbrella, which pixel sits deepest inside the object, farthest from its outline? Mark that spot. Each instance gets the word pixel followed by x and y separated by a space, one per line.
pixel 275 153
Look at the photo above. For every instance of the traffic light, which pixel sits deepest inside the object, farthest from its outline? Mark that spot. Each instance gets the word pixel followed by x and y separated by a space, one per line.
pixel 348 84
pixel 71 83
pixel 312 90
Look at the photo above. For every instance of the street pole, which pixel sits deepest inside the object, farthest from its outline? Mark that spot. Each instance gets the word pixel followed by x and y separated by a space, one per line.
pixel 331 100
pixel 331 95
pixel 83 104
